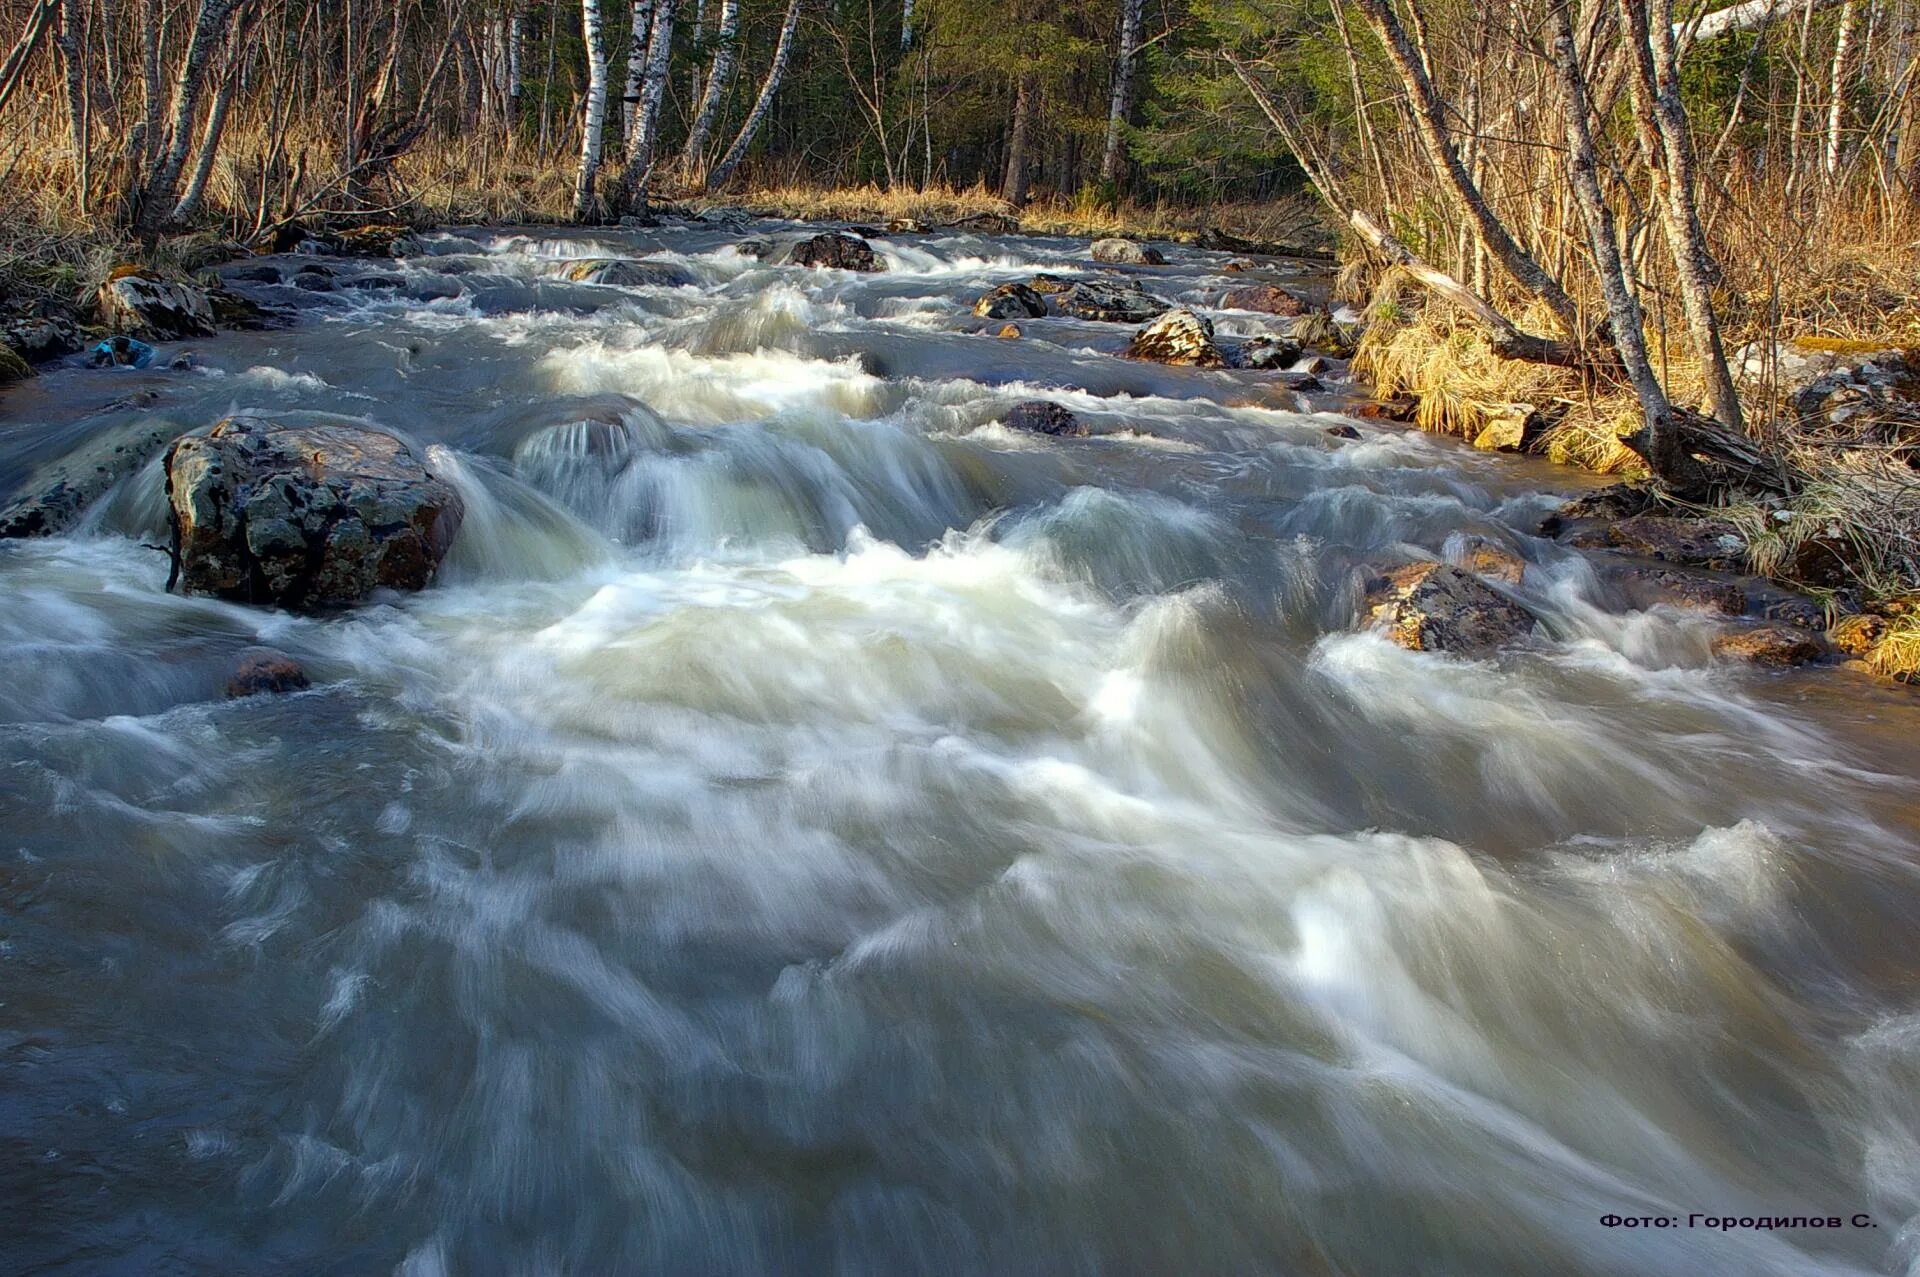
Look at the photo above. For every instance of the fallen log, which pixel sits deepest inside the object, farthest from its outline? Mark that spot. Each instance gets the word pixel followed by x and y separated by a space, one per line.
pixel 1504 337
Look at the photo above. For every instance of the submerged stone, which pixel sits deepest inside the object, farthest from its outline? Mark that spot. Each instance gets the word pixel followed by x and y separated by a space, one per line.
pixel 1044 417
pixel 1700 543
pixel 626 272
pixel 265 671
pixel 1782 645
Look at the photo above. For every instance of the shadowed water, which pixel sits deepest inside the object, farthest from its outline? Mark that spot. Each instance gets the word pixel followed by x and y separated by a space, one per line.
pixel 811 828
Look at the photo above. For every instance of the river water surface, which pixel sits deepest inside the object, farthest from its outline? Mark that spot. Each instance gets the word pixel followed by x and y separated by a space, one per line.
pixel 811 828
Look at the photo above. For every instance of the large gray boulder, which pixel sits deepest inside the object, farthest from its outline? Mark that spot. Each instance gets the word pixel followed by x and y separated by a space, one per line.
pixel 140 303
pixel 1125 252
pixel 306 517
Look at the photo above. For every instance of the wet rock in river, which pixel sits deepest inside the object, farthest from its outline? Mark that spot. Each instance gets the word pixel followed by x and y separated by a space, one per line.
pixel 1700 543
pixel 1343 432
pixel 1781 645
pixel 305 517
pixel 625 272
pixel 54 498
pixel 375 239
pixel 1402 408
pixel 231 310
pixel 1043 416
pixel 1436 607
pixel 1049 284
pixel 140 302
pixel 266 671
pixel 1109 301
pixel 1268 299
pixel 835 251
pixel 1125 252
pixel 1010 301
pixel 1009 331
pixel 1178 337
pixel 1618 501
pixel 1493 561
pixel 1263 353
pixel 1645 586
pixel 36 341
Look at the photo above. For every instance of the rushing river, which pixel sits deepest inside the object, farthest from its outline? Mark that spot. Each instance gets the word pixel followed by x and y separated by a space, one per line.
pixel 810 828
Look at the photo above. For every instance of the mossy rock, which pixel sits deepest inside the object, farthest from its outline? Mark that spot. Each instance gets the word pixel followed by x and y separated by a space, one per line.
pixel 12 367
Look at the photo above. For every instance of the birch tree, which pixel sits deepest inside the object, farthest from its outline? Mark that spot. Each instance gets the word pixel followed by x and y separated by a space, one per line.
pixel 592 133
pixel 1122 100
pixel 646 124
pixel 641 12
pixel 209 29
pixel 726 53
pixel 1659 439
pixel 769 89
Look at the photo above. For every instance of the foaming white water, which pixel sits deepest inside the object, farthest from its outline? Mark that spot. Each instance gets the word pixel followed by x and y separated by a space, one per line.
pixel 720 389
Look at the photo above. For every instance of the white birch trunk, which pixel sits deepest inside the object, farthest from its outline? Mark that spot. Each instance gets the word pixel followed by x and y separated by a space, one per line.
pixel 1837 91
pixel 641 12
pixel 646 124
pixel 724 59
pixel 594 132
pixel 1122 101
pixel 762 105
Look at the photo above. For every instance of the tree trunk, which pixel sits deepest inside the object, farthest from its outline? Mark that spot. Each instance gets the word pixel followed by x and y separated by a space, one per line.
pixel 1122 100
pixel 1429 114
pixel 209 29
pixel 641 12
pixel 906 24
pixel 1667 146
pixel 594 131
pixel 71 42
pixel 1659 438
pixel 1014 188
pixel 196 191
pixel 13 72
pixel 516 37
pixel 1837 91
pixel 646 124
pixel 724 57
pixel 769 88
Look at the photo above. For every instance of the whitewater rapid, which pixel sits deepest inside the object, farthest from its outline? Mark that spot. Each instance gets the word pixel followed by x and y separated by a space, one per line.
pixel 810 827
